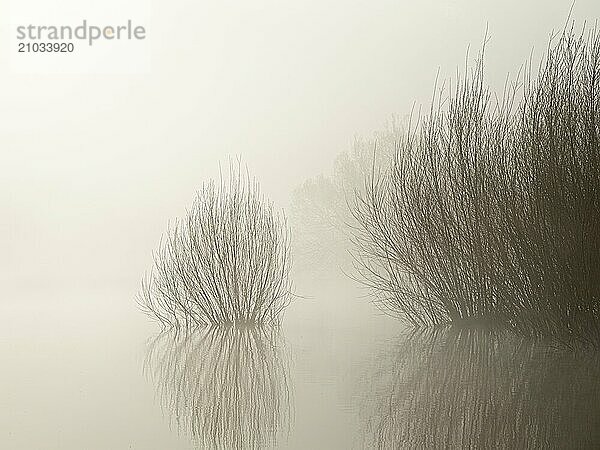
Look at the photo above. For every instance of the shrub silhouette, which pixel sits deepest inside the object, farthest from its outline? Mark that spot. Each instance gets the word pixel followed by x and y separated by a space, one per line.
pixel 226 262
pixel 490 211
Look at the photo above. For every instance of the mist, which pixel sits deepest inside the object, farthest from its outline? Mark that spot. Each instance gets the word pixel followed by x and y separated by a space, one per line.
pixel 100 154
pixel 94 165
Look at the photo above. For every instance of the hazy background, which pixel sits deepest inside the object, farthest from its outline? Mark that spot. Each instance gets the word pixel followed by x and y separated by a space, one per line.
pixel 98 152
pixel 92 166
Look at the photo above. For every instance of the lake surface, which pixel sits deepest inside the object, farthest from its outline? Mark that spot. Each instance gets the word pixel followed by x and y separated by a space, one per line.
pixel 83 369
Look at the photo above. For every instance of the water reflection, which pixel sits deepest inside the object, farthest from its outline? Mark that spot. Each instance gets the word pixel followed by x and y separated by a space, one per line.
pixel 481 389
pixel 227 387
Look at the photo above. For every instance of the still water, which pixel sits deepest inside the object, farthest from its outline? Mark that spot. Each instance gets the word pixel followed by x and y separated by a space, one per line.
pixel 85 370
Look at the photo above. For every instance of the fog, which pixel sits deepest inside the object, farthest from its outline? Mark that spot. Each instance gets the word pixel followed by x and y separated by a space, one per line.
pixel 100 150
pixel 93 165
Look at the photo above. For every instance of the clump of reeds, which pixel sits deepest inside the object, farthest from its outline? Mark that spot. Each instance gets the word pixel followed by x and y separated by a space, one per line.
pixel 225 386
pixel 491 208
pixel 226 262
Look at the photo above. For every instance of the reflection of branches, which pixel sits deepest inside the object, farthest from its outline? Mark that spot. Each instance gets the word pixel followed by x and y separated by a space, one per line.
pixel 226 386
pixel 480 389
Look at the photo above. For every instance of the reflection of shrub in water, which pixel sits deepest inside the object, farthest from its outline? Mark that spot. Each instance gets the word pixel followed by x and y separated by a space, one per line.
pixel 473 388
pixel 492 211
pixel 228 387
pixel 226 262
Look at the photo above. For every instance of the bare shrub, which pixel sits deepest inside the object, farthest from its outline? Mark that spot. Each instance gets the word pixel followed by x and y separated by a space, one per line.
pixel 227 261
pixel 491 209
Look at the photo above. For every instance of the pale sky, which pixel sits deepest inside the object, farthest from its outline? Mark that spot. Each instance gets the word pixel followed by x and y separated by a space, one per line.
pixel 95 161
